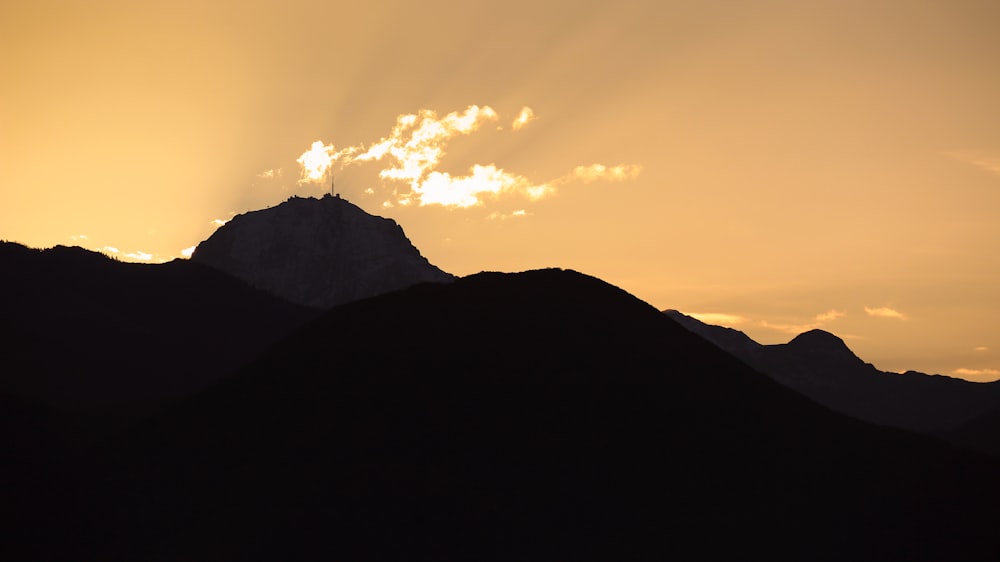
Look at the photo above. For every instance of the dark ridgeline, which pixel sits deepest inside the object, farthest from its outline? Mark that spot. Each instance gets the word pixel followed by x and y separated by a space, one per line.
pixel 317 252
pixel 86 333
pixel 536 416
pixel 819 365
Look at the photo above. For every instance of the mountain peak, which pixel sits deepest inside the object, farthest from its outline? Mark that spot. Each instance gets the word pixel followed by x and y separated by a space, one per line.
pixel 317 252
pixel 821 341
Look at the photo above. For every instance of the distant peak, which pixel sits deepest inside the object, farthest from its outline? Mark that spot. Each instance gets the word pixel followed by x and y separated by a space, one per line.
pixel 317 252
pixel 821 341
pixel 817 337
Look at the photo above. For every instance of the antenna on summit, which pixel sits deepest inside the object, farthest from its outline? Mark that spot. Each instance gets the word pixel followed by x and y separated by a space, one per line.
pixel 333 181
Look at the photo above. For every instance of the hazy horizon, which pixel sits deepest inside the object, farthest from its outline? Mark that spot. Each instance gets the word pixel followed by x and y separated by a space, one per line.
pixel 771 166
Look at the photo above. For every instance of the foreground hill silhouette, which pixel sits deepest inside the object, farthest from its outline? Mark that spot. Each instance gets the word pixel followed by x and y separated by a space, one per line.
pixel 83 332
pixel 537 416
pixel 317 252
pixel 819 365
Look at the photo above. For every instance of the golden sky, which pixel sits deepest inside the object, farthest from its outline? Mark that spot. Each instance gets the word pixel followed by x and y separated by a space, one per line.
pixel 781 165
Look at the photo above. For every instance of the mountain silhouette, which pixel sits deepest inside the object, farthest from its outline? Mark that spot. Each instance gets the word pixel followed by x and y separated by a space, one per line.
pixel 83 332
pixel 819 365
pixel 544 415
pixel 317 252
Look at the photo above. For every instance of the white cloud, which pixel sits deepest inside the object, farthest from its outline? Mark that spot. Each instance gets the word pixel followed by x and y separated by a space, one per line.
pixel 718 318
pixel 221 222
pixel 830 315
pixel 497 215
pixel 139 255
pixel 977 374
pixel 526 116
pixel 316 162
pixel 885 312
pixel 440 188
pixel 594 172
pixel 413 151
pixel 793 329
pixel 186 252
pixel 110 249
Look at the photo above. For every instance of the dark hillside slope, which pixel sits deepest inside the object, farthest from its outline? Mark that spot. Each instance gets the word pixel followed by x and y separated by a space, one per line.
pixel 84 332
pixel 536 416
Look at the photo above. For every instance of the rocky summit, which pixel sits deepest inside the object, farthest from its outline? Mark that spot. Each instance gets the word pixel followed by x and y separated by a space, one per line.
pixel 317 252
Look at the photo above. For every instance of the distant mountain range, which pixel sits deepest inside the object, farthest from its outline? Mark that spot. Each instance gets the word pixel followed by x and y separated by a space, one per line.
pixel 544 415
pixel 820 365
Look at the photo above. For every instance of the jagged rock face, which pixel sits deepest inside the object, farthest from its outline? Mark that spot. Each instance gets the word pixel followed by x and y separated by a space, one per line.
pixel 317 252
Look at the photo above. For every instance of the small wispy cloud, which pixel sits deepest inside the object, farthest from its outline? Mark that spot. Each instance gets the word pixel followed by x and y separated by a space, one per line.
pixel 138 255
pixel 186 252
pixel 523 118
pixel 719 318
pixel 885 312
pixel 222 222
pixel 110 249
pixel 79 238
pixel 793 329
pixel 981 159
pixel 595 172
pixel 785 327
pixel 980 348
pixel 977 374
pixel 830 315
pixel 497 215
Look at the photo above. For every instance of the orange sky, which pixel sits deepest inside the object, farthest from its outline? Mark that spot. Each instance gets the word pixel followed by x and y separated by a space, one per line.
pixel 787 164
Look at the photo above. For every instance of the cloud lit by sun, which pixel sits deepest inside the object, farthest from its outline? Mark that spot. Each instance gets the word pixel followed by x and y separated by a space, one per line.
pixel 315 162
pixel 595 172
pixel 526 116
pixel 830 315
pixel 987 161
pixel 885 312
pixel 980 375
pixel 417 143
pixel 414 149
pixel 718 318
pixel 440 188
